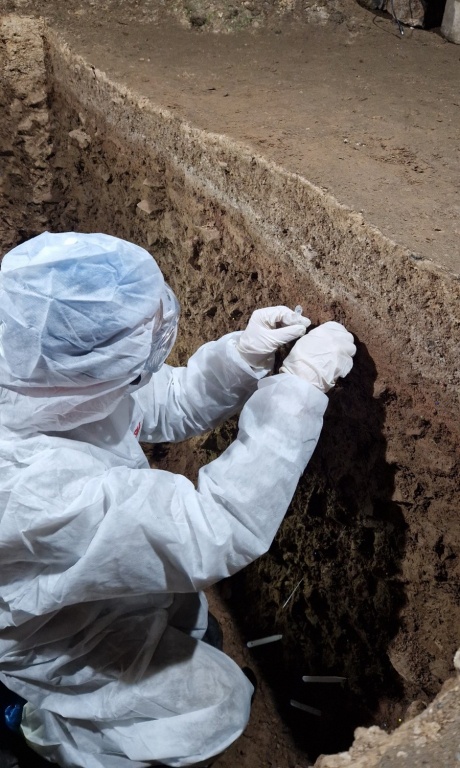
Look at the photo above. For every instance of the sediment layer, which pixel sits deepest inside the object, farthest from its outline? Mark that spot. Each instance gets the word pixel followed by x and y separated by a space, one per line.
pixel 373 531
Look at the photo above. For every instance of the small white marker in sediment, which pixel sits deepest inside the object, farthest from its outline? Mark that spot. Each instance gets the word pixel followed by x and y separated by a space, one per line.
pixel 323 679
pixel 305 708
pixel 294 590
pixel 263 640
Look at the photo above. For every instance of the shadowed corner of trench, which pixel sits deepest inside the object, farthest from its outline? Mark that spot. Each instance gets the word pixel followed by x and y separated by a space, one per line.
pixel 345 537
pixel 357 545
pixel 372 526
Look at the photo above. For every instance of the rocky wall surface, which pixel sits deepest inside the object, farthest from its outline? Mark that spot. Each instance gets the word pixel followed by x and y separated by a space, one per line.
pixel 229 15
pixel 207 15
pixel 430 739
pixel 25 144
pixel 372 538
pixel 225 16
pixel 235 15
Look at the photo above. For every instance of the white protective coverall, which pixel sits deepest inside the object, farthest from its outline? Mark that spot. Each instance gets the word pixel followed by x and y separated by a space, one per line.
pixel 103 559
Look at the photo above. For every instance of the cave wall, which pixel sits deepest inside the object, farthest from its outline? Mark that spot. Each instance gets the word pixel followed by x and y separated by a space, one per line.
pixel 25 173
pixel 234 15
pixel 373 530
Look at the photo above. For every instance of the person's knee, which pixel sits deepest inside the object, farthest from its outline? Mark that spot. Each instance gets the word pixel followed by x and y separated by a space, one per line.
pixel 239 700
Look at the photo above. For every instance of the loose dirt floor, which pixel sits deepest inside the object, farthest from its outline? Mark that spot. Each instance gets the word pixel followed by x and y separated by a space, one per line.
pixel 356 108
pixel 373 118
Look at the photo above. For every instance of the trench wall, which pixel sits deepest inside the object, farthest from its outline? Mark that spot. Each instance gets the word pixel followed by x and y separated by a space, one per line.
pixel 25 143
pixel 373 530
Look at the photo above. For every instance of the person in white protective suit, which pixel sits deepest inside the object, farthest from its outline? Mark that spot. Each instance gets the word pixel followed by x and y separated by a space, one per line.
pixel 103 560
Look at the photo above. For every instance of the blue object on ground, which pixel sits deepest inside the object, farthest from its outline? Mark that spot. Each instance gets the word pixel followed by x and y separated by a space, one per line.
pixel 13 716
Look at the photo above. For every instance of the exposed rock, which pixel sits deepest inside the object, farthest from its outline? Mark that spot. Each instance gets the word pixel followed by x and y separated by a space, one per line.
pixel 26 177
pixel 80 138
pixel 451 21
pixel 410 12
pixel 146 207
pixel 430 738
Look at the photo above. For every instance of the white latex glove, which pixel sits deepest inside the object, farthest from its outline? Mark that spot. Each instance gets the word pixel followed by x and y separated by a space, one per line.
pixel 267 330
pixel 323 356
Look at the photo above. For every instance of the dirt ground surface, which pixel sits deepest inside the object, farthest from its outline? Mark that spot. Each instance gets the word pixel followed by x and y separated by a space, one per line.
pixel 372 118
pixel 357 109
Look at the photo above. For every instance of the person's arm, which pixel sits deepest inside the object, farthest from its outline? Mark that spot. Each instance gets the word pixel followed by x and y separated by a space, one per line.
pixel 150 531
pixel 219 377
pixel 192 537
pixel 120 532
pixel 181 402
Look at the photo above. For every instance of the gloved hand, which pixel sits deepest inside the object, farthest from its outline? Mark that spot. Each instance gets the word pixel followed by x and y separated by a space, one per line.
pixel 322 356
pixel 267 330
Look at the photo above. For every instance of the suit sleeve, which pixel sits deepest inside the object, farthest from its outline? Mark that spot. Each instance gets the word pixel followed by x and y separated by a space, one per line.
pixel 182 402
pixel 141 531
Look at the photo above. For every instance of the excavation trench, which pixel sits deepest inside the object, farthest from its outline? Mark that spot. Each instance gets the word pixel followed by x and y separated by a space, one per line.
pixel 371 540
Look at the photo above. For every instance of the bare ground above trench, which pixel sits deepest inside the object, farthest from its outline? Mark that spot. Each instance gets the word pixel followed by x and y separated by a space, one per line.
pixel 357 109
pixel 358 79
